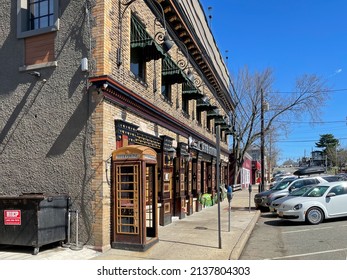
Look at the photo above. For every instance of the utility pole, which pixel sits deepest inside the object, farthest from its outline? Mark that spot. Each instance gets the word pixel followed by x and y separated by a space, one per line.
pixel 262 144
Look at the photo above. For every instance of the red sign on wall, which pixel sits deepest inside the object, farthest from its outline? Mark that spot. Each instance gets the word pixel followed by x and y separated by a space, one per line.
pixel 12 217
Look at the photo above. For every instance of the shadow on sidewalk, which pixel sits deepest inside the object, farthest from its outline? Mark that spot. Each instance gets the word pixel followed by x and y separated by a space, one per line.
pixel 186 243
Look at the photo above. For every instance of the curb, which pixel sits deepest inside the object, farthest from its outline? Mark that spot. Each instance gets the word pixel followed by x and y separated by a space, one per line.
pixel 237 250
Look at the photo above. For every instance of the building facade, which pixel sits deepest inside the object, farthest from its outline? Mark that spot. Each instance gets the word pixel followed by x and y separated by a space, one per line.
pixel 123 105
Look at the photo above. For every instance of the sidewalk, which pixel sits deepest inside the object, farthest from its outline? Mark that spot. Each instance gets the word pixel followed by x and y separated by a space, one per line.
pixel 195 237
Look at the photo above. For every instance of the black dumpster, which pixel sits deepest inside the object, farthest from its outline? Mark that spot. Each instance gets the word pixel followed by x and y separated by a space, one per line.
pixel 33 219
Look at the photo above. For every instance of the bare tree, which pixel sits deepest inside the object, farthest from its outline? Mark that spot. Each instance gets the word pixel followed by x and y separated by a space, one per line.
pixel 307 99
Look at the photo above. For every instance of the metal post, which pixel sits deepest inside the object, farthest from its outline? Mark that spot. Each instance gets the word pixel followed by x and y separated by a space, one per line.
pixel 218 184
pixel 229 217
pixel 67 244
pixel 229 196
pixel 249 199
pixel 76 247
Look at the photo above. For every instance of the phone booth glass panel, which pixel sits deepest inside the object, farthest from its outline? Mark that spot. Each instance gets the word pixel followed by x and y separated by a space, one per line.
pixel 135 223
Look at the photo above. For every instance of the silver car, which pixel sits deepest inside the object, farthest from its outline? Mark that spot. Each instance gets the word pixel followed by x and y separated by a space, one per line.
pixel 324 201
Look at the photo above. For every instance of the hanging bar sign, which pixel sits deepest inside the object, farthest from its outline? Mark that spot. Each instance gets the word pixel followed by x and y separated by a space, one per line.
pixel 12 217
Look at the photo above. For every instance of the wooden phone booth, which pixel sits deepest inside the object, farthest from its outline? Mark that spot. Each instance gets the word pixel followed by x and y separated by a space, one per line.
pixel 134 201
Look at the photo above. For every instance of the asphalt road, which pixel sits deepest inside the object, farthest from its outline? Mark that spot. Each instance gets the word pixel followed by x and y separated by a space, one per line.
pixel 275 239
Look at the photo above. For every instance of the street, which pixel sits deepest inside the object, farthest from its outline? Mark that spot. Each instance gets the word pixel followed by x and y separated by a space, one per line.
pixel 275 239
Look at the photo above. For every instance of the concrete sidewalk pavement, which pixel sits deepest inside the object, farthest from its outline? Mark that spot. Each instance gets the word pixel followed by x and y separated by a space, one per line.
pixel 195 237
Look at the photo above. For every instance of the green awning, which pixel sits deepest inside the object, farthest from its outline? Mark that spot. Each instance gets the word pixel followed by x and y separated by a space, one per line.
pixel 204 105
pixel 229 131
pixel 219 120
pixel 225 127
pixel 171 73
pixel 139 38
pixel 189 91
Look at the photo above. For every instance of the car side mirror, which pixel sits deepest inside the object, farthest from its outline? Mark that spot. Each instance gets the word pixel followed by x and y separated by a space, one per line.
pixel 331 194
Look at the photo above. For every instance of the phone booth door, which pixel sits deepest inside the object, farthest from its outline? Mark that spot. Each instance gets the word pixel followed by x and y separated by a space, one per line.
pixel 134 188
pixel 151 198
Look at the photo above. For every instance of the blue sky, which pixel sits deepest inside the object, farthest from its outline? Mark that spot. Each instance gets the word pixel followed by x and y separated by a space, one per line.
pixel 293 37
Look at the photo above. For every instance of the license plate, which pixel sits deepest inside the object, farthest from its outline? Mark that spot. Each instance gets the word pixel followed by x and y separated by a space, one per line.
pixel 280 214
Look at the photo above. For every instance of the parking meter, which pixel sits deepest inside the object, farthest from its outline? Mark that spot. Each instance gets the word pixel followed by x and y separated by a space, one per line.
pixel 249 201
pixel 229 196
pixel 230 193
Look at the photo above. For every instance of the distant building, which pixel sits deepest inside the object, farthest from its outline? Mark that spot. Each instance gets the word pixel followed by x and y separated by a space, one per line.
pixel 255 153
pixel 317 158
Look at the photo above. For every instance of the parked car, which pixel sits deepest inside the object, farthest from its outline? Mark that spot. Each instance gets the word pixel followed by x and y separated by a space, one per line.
pixel 324 201
pixel 299 183
pixel 277 202
pixel 280 179
pixel 283 188
pixel 260 199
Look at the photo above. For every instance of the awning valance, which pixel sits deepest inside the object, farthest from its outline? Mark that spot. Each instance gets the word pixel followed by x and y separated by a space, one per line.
pixel 139 38
pixel 189 91
pixel 225 127
pixel 171 73
pixel 204 105
pixel 214 113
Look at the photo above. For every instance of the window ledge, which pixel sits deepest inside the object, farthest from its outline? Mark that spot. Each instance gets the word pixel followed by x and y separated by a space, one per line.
pixel 138 79
pixel 167 100
pixel 38 66
pixel 185 114
pixel 35 32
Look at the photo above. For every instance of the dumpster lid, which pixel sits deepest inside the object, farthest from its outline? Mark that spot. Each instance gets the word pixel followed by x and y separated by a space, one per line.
pixel 33 195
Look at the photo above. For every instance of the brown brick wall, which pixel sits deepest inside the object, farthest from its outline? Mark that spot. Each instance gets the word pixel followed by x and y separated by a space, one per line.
pixel 105 34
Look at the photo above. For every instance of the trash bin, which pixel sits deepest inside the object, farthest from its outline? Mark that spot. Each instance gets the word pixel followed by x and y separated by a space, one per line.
pixel 33 219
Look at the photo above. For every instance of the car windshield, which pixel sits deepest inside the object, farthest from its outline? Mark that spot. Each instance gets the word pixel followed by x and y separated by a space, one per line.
pixel 283 184
pixel 300 192
pixel 332 178
pixel 316 191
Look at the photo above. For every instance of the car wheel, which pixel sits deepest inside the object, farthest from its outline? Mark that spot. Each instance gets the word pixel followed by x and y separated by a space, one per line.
pixel 314 216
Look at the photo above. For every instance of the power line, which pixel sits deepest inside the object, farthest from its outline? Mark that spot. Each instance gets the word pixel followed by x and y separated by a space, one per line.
pixel 312 122
pixel 327 90
pixel 302 141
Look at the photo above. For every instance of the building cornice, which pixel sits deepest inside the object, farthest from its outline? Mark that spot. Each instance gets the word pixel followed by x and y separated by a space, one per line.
pixel 183 30
pixel 123 97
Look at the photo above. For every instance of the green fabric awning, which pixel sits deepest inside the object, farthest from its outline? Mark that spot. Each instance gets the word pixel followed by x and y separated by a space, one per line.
pixel 230 131
pixel 139 38
pixel 225 127
pixel 171 73
pixel 204 105
pixel 214 113
pixel 219 120
pixel 189 91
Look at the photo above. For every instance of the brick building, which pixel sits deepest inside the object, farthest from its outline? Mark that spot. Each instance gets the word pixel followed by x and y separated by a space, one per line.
pixel 85 79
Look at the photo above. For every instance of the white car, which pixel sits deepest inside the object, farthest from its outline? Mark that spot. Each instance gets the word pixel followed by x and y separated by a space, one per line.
pixel 277 202
pixel 324 201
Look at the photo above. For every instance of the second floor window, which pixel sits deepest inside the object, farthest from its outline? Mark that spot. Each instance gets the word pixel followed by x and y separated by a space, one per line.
pixel 198 117
pixel 41 13
pixel 166 90
pixel 185 105
pixel 137 63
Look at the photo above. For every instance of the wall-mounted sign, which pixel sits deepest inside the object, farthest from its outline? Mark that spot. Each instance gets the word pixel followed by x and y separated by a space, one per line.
pixel 12 217
pixel 202 146
pixel 128 156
